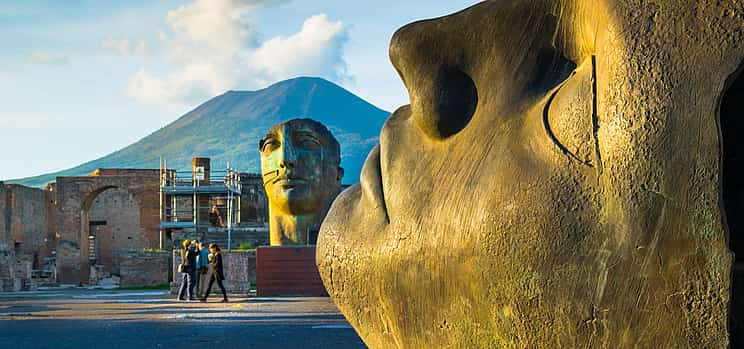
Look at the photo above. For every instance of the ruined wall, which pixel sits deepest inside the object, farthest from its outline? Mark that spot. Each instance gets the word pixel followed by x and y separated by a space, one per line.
pixel 26 234
pixel 183 208
pixel 254 206
pixel 239 268
pixel 76 196
pixel 7 261
pixel 250 236
pixel 4 232
pixel 241 236
pixel 120 207
pixel 30 213
pixel 22 273
pixel 15 271
pixel 114 218
pixel 139 268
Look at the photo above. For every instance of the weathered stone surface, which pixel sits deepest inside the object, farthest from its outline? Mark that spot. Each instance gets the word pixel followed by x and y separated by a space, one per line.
pixel 253 204
pixel 114 217
pixel 300 163
pixel 242 268
pixel 554 182
pixel 7 273
pixel 22 273
pixel 4 232
pixel 76 196
pixel 27 218
pixel 239 267
pixel 243 237
pixel 15 271
pixel 31 216
pixel 139 268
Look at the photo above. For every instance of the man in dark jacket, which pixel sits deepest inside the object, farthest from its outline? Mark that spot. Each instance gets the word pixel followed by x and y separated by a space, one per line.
pixel 188 270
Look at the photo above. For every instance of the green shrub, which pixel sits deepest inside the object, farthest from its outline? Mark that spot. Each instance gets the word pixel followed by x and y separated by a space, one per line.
pixel 244 246
pixel 152 287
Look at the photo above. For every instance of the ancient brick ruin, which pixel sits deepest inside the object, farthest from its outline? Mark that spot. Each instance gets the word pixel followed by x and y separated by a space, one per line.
pixel 126 198
pixel 104 229
pixel 26 236
pixel 240 271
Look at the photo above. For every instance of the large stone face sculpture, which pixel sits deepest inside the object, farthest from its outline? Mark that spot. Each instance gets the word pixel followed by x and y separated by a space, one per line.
pixel 553 183
pixel 300 164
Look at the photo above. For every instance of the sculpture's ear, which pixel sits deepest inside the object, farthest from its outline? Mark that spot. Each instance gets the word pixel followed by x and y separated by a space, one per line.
pixel 340 174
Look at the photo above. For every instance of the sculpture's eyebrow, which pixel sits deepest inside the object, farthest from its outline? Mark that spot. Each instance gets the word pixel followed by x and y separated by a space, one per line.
pixel 308 132
pixel 271 135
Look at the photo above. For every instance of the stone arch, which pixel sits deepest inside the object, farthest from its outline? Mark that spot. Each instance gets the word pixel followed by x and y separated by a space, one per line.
pixel 76 195
pixel 90 196
pixel 114 225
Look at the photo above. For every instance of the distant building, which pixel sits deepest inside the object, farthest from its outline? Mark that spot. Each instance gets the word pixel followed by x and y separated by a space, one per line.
pixel 94 229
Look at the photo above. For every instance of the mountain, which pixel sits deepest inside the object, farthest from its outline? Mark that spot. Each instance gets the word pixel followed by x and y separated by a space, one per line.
pixel 228 128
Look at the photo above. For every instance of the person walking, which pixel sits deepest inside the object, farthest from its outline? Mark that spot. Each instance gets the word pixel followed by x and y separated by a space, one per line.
pixel 188 270
pixel 218 273
pixel 202 266
pixel 197 266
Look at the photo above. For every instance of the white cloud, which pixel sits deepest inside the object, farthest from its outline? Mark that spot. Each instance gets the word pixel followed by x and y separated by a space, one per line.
pixel 217 25
pixel 210 46
pixel 48 58
pixel 125 46
pixel 317 48
pixel 193 83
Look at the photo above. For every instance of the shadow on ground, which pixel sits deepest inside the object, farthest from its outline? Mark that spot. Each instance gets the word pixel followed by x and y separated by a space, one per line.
pixel 142 334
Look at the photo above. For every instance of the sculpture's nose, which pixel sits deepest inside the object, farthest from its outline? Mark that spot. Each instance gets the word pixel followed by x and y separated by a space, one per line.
pixel 430 62
pixel 288 157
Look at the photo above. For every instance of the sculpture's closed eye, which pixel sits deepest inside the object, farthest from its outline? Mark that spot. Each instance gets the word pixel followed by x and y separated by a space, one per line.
pixel 567 118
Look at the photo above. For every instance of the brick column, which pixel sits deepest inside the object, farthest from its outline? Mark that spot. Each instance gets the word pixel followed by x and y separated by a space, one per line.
pixel 203 199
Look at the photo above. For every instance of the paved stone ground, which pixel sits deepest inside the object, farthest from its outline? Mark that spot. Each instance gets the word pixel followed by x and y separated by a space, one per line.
pixel 154 319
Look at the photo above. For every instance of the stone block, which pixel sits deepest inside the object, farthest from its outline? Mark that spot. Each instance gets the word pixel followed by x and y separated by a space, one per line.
pixel 138 268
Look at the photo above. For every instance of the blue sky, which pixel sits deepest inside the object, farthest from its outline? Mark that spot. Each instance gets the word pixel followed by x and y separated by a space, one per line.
pixel 81 79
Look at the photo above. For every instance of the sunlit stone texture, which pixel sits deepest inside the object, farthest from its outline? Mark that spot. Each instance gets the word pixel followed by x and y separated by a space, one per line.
pixel 553 183
pixel 300 162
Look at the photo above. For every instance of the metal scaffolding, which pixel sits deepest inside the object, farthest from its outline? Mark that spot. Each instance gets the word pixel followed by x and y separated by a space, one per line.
pixel 183 195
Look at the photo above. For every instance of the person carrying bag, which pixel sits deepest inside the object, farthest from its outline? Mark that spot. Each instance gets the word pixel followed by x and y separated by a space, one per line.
pixel 188 270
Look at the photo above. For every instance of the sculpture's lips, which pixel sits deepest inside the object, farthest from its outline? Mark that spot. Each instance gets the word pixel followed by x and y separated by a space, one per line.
pixel 373 196
pixel 289 182
pixel 371 178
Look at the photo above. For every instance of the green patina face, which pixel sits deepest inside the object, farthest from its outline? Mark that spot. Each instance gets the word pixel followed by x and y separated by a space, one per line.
pixel 300 165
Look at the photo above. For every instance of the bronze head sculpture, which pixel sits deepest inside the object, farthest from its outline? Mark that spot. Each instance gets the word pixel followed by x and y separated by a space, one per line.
pixel 553 183
pixel 300 162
